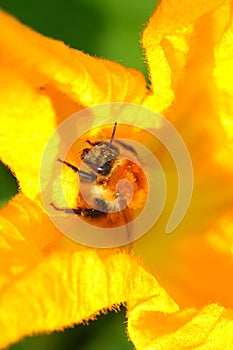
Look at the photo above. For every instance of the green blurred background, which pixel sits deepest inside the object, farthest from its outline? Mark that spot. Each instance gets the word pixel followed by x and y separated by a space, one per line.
pixel 103 28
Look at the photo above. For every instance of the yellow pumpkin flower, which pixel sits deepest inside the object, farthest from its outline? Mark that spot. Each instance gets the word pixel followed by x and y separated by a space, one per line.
pixel 178 288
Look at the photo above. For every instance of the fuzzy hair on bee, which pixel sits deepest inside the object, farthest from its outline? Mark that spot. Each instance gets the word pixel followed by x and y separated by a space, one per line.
pixel 104 165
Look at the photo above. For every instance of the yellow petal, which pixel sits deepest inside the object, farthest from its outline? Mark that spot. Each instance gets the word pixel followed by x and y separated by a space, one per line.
pixel 85 79
pixel 22 240
pixel 203 267
pixel 54 284
pixel 27 121
pixel 223 75
pixel 187 263
pixel 208 328
pixel 167 40
pixel 42 81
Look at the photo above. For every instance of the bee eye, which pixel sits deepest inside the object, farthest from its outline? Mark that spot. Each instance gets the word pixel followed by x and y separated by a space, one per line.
pixel 105 168
pixel 85 151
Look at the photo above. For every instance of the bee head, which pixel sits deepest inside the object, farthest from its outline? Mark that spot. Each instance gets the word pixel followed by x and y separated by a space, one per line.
pixel 100 157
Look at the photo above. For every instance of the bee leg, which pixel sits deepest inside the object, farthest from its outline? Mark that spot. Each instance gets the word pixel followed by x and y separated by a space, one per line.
pixel 71 166
pixel 86 212
pixel 82 174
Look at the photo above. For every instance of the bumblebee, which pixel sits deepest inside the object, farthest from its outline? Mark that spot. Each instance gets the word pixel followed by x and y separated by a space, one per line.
pixel 102 202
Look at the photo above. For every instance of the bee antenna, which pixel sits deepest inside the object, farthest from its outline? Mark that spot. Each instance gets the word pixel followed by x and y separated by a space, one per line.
pixel 113 134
